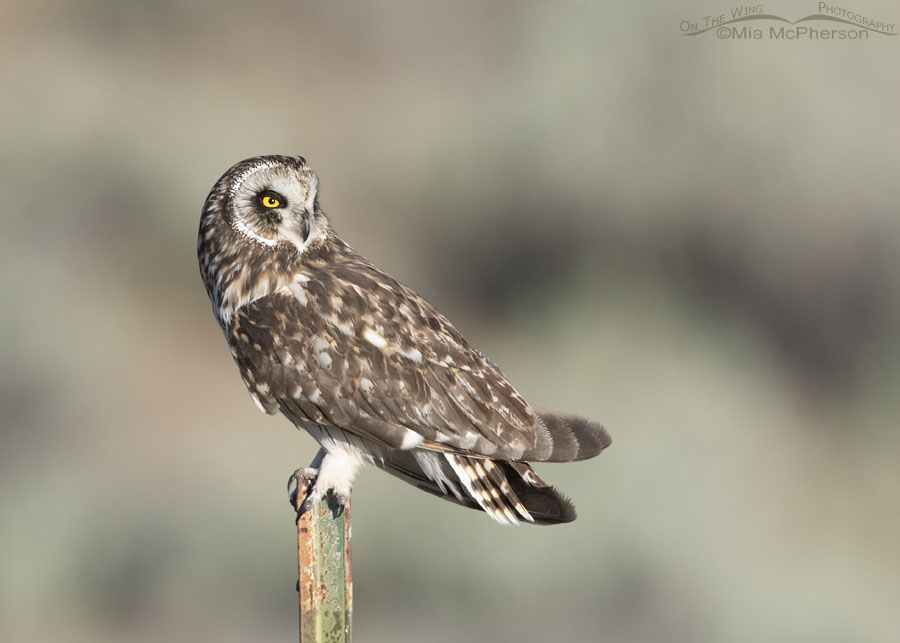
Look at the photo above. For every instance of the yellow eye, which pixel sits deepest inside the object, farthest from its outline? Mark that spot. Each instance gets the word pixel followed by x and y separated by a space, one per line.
pixel 270 201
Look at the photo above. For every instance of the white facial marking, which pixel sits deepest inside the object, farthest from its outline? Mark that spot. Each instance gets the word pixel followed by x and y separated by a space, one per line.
pixel 288 232
pixel 247 232
pixel 298 191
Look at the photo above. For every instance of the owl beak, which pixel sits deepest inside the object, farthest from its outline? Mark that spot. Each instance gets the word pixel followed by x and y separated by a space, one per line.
pixel 304 228
pixel 295 227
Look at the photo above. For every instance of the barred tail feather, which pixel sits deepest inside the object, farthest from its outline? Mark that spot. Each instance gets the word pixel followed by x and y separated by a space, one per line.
pixel 485 483
pixel 567 438
pixel 509 492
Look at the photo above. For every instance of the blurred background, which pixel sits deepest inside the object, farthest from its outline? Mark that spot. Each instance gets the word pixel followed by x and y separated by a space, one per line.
pixel 694 241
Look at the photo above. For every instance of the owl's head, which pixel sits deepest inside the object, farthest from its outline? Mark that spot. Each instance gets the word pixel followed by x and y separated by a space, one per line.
pixel 260 222
pixel 270 203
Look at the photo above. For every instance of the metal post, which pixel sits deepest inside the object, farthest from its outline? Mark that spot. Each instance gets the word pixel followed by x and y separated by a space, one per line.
pixel 326 581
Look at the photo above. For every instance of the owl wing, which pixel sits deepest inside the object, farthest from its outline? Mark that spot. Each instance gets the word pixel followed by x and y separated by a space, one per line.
pixel 357 350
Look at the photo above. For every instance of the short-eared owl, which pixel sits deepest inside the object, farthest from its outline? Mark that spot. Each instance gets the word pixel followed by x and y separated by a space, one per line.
pixel 370 369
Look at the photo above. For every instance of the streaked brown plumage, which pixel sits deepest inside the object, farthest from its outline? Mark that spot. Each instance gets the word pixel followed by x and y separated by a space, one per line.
pixel 373 371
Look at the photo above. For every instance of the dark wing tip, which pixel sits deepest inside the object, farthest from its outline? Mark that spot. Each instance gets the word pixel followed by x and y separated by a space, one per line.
pixel 548 506
pixel 545 504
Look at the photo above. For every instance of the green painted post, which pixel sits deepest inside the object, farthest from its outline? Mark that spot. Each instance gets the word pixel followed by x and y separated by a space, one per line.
pixel 326 581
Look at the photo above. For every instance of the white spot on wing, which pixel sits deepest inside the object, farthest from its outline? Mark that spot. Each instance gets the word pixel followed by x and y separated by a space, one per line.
pixel 431 467
pixel 298 292
pixel 413 354
pixel 256 401
pixel 411 439
pixel 347 329
pixel 247 232
pixel 374 338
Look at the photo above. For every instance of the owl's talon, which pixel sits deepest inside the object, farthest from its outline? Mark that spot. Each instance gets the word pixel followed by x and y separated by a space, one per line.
pixel 336 503
pixel 296 482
